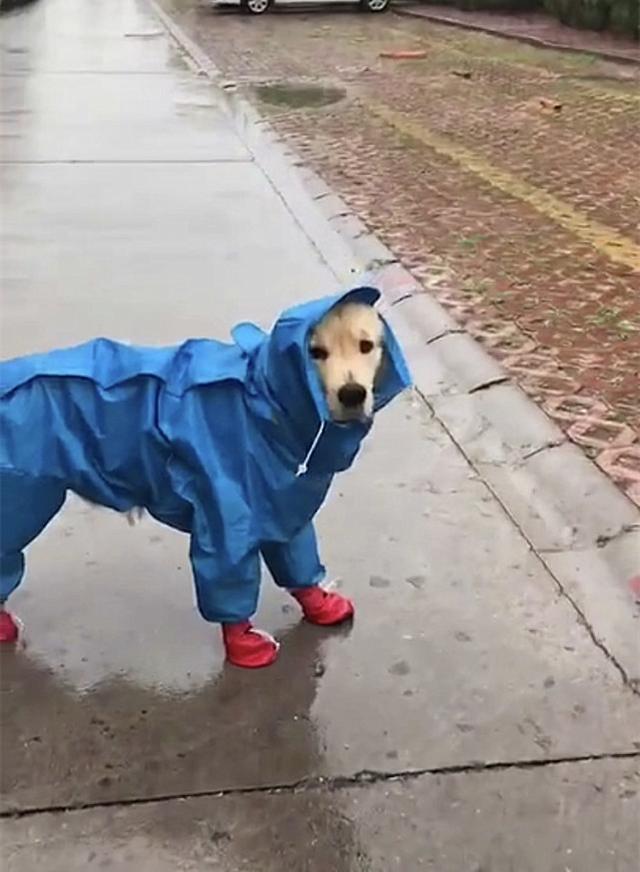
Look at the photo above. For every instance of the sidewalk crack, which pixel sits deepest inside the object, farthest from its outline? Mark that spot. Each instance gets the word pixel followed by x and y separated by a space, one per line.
pixel 450 331
pixel 604 538
pixel 551 443
pixel 337 782
pixel 489 383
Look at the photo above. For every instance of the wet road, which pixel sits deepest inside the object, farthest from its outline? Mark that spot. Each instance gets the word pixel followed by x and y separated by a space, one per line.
pixel 427 736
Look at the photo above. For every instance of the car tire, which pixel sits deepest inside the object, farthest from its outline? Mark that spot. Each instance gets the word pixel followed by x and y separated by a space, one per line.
pixel 255 7
pixel 374 6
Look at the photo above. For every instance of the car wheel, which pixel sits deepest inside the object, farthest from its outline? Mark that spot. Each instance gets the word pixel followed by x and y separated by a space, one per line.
pixel 374 5
pixel 255 7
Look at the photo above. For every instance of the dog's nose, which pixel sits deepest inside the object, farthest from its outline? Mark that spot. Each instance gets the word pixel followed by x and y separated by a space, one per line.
pixel 352 395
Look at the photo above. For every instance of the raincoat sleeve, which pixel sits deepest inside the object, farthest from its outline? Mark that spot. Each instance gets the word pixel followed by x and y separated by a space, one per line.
pixel 295 563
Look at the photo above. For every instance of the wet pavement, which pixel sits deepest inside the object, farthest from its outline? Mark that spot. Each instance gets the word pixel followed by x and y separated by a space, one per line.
pixel 562 818
pixel 470 719
pixel 509 169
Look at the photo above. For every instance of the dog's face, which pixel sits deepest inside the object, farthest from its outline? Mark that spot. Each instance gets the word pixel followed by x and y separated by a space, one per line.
pixel 347 347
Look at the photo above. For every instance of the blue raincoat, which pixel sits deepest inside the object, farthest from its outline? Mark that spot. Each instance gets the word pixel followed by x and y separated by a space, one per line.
pixel 231 443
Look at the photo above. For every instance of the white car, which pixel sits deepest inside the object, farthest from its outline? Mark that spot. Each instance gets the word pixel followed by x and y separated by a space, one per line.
pixel 259 7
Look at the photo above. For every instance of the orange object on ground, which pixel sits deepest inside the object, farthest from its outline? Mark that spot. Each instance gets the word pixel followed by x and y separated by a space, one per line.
pixel 404 55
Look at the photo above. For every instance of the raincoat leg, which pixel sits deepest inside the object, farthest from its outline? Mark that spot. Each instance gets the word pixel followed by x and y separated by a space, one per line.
pixel 229 596
pixel 224 596
pixel 27 504
pixel 295 564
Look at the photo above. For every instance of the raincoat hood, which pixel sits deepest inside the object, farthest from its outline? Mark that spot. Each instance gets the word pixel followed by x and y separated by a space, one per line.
pixel 284 387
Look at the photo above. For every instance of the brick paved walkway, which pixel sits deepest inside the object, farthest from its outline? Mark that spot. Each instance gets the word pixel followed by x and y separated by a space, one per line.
pixel 502 175
pixel 537 27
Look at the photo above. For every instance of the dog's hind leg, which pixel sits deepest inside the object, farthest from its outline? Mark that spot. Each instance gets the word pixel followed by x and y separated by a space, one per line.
pixel 27 504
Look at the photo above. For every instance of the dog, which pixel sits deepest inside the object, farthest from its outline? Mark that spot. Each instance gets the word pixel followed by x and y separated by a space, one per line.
pixel 234 444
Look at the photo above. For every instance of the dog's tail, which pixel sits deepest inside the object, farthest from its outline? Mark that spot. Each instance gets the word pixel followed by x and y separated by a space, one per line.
pixel 134 515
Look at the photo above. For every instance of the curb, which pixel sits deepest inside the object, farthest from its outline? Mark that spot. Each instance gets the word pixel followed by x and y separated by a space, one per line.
pixel 582 528
pixel 516 37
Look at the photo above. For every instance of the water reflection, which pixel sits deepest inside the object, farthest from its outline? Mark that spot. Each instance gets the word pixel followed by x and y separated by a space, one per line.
pixel 120 742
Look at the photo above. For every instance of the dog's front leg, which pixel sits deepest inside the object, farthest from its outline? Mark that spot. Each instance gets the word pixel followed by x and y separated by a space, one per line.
pixel 228 595
pixel 295 565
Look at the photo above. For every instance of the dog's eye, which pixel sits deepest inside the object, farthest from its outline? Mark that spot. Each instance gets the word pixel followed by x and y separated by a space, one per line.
pixel 366 345
pixel 318 353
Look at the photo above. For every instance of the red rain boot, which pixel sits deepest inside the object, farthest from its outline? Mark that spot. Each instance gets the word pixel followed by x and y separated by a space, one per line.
pixel 9 630
pixel 248 647
pixel 322 606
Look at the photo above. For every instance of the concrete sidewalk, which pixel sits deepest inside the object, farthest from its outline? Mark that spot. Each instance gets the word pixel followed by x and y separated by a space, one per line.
pixel 470 720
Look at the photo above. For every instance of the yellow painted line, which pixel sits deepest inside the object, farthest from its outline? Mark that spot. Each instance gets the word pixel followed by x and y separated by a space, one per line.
pixel 603 238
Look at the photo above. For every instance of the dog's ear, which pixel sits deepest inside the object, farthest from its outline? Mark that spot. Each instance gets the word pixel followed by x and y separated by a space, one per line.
pixel 248 336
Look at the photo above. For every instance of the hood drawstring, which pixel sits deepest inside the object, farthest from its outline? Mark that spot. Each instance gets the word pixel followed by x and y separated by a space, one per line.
pixel 304 466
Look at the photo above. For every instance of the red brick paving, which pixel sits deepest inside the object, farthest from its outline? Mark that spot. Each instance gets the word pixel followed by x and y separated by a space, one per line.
pixel 559 314
pixel 537 27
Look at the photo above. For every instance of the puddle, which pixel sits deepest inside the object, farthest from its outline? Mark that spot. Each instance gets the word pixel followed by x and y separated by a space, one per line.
pixel 299 96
